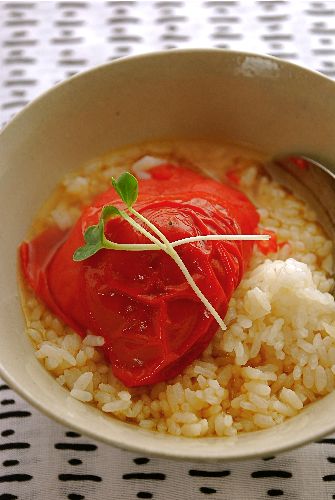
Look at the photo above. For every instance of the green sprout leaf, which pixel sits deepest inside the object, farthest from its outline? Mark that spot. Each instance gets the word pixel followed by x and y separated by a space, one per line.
pixel 86 251
pixel 109 211
pixel 94 236
pixel 126 187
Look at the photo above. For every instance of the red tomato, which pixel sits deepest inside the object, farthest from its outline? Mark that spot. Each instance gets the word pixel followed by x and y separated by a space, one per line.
pixel 268 246
pixel 153 323
pixel 233 176
pixel 299 162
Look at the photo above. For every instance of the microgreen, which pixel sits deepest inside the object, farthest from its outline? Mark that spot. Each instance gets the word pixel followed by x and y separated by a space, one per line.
pixel 93 240
pixel 109 211
pixel 94 236
pixel 126 187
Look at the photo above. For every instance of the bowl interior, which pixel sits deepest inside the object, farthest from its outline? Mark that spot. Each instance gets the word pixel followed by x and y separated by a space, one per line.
pixel 274 106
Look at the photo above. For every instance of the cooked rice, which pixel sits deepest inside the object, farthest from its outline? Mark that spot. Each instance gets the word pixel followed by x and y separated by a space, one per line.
pixel 278 352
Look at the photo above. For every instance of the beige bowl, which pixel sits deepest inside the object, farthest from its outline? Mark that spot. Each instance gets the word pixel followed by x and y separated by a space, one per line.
pixel 271 104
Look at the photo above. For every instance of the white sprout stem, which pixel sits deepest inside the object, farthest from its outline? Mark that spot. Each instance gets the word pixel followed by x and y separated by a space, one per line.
pixel 139 247
pixel 132 247
pixel 142 230
pixel 222 237
pixel 172 252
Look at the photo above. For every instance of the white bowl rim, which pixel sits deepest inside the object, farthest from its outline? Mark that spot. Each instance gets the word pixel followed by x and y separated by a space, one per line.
pixel 163 53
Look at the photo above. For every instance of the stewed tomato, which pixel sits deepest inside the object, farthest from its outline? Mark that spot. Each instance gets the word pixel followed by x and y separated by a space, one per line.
pixel 153 323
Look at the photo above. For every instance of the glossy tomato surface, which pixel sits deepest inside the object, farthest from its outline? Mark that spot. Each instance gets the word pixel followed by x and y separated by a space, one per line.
pixel 152 322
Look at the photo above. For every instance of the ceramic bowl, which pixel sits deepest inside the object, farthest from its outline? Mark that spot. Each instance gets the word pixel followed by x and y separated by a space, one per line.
pixel 271 104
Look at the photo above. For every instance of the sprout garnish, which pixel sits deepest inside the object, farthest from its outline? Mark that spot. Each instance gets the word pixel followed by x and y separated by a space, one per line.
pixel 126 187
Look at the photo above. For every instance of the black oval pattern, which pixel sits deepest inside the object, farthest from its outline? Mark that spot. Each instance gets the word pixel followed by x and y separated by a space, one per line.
pixel 154 476
pixel 141 461
pixel 6 402
pixel 14 446
pixel 7 432
pixel 10 463
pixel 15 414
pixel 72 434
pixel 271 473
pixel 75 461
pixel 206 490
pixel 209 473
pixel 275 493
pixel 76 446
pixel 15 477
pixel 327 441
pixel 79 477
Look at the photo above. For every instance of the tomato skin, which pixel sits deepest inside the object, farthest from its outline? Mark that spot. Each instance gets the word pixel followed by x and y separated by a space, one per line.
pixel 233 176
pixel 272 245
pixel 268 246
pixel 153 323
pixel 299 162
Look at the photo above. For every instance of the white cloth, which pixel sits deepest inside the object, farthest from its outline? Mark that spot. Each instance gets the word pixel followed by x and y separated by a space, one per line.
pixel 42 43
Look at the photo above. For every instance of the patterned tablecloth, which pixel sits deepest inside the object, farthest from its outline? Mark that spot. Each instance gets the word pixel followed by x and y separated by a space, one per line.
pixel 42 43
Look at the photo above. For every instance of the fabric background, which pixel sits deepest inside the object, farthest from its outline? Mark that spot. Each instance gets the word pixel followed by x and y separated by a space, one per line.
pixel 42 43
